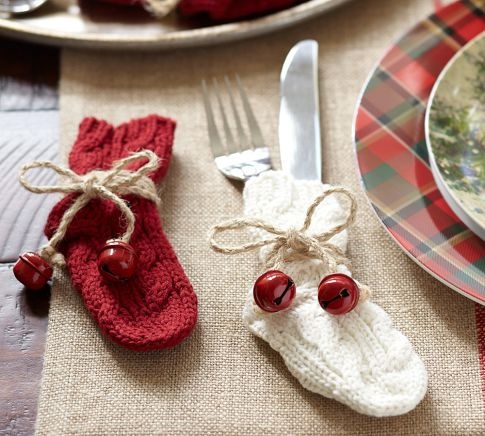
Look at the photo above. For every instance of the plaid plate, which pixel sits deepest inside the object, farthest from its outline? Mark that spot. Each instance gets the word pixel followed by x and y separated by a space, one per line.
pixel 392 155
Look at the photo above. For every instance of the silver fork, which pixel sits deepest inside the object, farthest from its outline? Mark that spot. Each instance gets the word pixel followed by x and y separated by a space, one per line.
pixel 239 158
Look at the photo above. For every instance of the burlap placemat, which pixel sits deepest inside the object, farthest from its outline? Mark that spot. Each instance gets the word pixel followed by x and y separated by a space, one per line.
pixel 223 380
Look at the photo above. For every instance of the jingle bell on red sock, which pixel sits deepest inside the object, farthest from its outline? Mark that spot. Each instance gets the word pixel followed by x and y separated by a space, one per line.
pixel 32 270
pixel 117 261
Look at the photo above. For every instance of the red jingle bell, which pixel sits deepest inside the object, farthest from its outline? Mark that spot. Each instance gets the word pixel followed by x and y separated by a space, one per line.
pixel 32 271
pixel 274 291
pixel 117 261
pixel 338 294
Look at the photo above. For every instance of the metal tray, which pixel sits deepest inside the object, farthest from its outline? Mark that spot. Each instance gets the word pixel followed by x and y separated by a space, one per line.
pixel 92 24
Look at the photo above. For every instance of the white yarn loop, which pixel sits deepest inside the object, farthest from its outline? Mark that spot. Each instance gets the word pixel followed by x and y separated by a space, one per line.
pixel 110 184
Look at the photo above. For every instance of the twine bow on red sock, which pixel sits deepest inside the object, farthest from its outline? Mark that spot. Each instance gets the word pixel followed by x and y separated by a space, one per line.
pixel 108 184
pixel 110 215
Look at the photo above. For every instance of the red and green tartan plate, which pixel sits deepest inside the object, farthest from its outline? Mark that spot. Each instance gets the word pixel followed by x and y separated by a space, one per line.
pixel 392 155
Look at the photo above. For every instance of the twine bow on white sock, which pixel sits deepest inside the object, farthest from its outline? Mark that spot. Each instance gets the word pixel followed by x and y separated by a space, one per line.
pixel 109 184
pixel 294 244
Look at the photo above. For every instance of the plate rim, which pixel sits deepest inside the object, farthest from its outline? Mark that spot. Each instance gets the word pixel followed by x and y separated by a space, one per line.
pixel 445 190
pixel 472 295
pixel 197 37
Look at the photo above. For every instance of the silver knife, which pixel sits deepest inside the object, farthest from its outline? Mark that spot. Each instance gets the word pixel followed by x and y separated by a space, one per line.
pixel 299 122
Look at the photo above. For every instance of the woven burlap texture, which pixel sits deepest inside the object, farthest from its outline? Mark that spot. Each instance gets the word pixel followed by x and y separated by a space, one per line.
pixel 223 380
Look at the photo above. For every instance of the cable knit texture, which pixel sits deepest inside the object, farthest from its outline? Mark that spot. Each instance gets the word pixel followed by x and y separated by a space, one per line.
pixel 156 308
pixel 359 358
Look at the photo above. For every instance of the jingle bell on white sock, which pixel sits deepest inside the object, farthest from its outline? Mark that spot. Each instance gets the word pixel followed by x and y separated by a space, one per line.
pixel 307 306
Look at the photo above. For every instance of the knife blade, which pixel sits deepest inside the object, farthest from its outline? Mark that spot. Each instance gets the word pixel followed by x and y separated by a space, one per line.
pixel 299 119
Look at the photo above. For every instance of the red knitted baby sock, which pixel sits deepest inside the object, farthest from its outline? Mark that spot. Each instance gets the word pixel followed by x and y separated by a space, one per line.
pixel 157 307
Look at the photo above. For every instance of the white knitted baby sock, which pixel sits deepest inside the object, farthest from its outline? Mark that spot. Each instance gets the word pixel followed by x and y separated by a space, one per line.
pixel 358 358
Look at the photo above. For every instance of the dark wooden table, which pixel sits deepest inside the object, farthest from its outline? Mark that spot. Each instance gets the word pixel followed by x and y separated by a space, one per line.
pixel 28 130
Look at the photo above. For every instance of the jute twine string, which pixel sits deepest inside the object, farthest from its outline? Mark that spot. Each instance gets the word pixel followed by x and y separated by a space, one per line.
pixel 110 184
pixel 293 244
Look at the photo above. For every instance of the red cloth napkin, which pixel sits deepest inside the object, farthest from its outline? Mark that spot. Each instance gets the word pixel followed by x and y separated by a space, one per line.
pixel 125 2
pixel 221 10
pixel 227 10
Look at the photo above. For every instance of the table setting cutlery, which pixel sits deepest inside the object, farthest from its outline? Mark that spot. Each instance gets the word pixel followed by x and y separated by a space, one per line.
pixel 306 283
pixel 299 118
pixel 239 157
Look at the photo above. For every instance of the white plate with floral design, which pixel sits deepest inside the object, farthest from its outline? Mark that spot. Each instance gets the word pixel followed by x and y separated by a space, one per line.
pixel 455 134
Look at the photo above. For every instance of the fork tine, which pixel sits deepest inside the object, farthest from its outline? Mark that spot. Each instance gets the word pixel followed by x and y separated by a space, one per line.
pixel 214 138
pixel 256 135
pixel 230 144
pixel 237 163
pixel 243 139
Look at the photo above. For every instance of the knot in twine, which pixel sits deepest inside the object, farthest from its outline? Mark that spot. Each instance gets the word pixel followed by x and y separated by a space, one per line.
pixel 110 184
pixel 294 244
